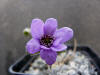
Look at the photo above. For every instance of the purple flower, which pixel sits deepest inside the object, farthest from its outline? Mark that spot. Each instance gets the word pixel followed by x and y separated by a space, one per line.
pixel 47 39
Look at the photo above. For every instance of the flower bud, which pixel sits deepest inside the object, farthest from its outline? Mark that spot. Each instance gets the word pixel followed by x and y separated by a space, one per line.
pixel 26 31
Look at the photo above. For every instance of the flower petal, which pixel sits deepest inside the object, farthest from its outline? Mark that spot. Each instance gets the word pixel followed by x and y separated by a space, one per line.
pixel 44 47
pixel 50 26
pixel 60 47
pixel 37 28
pixel 57 42
pixel 33 46
pixel 64 34
pixel 49 56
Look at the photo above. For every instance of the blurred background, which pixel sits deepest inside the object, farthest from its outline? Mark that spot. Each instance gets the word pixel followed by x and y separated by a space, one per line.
pixel 81 15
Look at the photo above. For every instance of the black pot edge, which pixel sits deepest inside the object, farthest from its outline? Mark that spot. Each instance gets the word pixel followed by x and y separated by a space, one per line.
pixel 19 60
pixel 86 46
pixel 13 72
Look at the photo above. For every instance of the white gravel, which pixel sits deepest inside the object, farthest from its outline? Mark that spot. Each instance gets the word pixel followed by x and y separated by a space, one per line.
pixel 79 65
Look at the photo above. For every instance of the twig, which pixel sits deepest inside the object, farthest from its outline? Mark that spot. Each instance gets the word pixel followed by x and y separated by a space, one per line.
pixel 68 57
pixel 74 51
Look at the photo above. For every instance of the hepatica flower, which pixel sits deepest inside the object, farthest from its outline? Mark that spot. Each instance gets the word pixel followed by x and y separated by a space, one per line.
pixel 47 39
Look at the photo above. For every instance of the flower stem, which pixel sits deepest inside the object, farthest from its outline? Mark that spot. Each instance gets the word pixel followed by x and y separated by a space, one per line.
pixel 49 69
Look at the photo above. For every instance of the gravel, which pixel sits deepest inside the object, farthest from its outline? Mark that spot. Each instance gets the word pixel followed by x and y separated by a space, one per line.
pixel 79 65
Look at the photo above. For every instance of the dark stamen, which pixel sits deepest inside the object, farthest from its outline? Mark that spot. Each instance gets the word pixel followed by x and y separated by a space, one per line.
pixel 46 41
